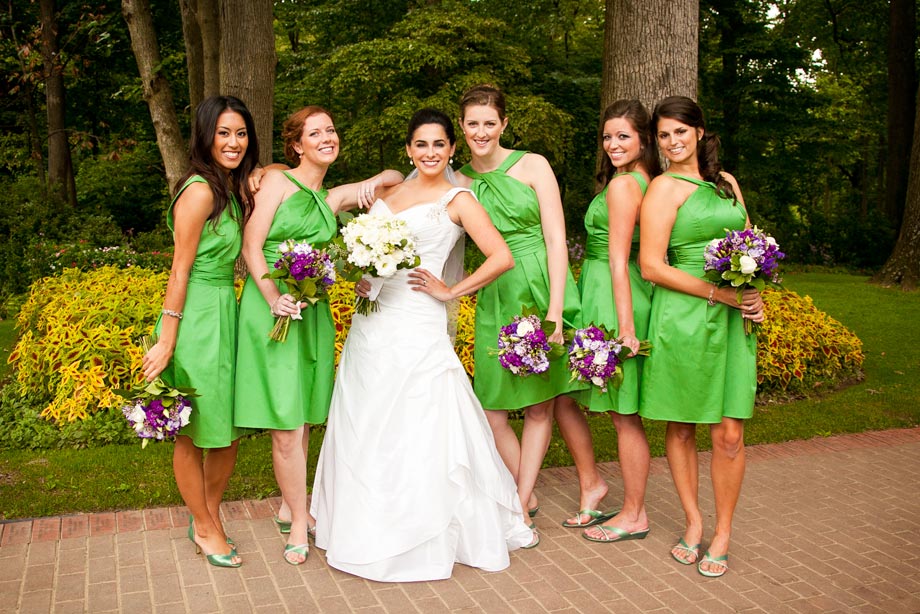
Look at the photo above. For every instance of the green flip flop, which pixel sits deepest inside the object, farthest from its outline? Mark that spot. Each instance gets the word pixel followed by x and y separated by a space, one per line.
pixel 715 560
pixel 690 550
pixel 597 517
pixel 615 534
pixel 284 526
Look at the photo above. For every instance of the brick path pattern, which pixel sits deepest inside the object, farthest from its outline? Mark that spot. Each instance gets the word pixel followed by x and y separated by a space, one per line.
pixel 826 525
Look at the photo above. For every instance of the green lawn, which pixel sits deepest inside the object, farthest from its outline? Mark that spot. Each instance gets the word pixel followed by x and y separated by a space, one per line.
pixel 52 482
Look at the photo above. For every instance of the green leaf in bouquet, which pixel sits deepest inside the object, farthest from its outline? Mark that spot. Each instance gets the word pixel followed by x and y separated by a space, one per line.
pixel 345 217
pixel 758 283
pixel 556 351
pixel 276 274
pixel 307 288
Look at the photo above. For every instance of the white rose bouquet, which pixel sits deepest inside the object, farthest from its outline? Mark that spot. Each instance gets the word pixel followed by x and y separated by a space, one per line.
pixel 378 246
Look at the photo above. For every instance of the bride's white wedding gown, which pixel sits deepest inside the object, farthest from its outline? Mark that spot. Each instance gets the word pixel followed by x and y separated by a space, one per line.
pixel 408 479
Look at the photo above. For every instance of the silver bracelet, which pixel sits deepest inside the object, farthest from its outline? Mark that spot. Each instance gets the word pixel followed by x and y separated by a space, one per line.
pixel 170 312
pixel 711 301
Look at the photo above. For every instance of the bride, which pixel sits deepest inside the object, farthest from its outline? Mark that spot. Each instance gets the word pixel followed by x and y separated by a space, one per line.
pixel 408 479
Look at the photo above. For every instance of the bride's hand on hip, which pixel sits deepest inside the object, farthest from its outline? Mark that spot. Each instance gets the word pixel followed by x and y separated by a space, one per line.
pixel 423 281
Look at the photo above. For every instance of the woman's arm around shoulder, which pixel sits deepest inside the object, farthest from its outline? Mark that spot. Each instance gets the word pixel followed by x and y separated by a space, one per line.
pixel 362 193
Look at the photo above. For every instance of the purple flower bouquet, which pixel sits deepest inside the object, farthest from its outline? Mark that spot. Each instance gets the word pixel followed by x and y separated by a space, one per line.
pixel 156 410
pixel 523 346
pixel 744 259
pixel 307 272
pixel 596 357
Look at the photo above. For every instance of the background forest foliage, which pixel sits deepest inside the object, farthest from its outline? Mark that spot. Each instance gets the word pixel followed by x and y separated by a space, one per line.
pixel 802 114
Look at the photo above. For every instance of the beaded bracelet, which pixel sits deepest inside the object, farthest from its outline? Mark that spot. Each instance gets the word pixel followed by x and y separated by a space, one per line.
pixel 711 301
pixel 170 312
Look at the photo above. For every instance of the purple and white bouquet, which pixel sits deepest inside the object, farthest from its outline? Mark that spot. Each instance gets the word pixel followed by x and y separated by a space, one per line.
pixel 378 246
pixel 156 410
pixel 524 347
pixel 596 357
pixel 744 259
pixel 307 272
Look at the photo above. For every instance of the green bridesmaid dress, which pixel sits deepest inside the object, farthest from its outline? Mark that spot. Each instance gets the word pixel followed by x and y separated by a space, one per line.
pixel 286 385
pixel 205 353
pixel 515 211
pixel 598 305
pixel 702 366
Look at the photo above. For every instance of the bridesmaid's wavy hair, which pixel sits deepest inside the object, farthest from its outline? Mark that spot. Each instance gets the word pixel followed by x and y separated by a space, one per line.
pixel 686 111
pixel 292 129
pixel 637 116
pixel 423 117
pixel 483 94
pixel 201 162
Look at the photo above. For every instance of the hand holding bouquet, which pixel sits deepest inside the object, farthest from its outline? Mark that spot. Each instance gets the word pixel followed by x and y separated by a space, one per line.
pixel 524 347
pixel 307 272
pixel 596 357
pixel 377 245
pixel 743 259
pixel 155 409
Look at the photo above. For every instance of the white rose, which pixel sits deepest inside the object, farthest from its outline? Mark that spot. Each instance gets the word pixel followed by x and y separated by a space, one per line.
pixel 386 267
pixel 600 358
pixel 524 327
pixel 184 414
pixel 748 265
pixel 137 415
pixel 284 247
pixel 597 381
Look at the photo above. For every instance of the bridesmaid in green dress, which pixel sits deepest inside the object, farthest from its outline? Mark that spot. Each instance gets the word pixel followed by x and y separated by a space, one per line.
pixel 613 294
pixel 520 194
pixel 197 329
pixel 286 387
pixel 702 369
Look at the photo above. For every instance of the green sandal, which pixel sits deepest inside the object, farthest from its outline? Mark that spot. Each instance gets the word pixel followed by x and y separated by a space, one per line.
pixel 597 517
pixel 536 538
pixel 615 534
pixel 682 545
pixel 284 526
pixel 714 560
pixel 302 549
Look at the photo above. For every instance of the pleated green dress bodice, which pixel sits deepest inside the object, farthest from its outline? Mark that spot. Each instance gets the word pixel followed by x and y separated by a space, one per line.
pixel 598 305
pixel 205 353
pixel 515 212
pixel 702 366
pixel 286 385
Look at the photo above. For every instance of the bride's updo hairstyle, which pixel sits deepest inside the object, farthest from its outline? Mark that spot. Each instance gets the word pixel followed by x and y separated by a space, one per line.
pixel 686 111
pixel 430 116
pixel 485 95
pixel 292 130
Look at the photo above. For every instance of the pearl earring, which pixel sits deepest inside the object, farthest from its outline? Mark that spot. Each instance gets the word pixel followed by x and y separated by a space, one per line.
pixel 411 161
pixel 450 161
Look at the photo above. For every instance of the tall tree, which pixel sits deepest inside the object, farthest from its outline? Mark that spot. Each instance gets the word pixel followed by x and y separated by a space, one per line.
pixel 201 31
pixel 247 62
pixel 903 266
pixel 650 50
pixel 156 88
pixel 902 82
pixel 60 163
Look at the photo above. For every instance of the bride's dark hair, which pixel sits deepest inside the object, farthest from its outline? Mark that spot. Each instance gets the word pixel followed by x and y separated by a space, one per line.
pixel 430 116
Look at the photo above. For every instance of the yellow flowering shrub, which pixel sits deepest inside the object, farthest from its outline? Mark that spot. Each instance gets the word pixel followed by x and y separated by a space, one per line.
pixel 78 337
pixel 799 347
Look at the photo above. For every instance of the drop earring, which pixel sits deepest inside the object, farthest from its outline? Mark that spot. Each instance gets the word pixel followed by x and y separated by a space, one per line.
pixel 411 161
pixel 450 161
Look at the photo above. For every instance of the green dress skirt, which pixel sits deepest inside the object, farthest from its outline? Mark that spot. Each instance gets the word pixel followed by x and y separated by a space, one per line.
pixel 205 352
pixel 599 307
pixel 286 385
pixel 515 211
pixel 702 366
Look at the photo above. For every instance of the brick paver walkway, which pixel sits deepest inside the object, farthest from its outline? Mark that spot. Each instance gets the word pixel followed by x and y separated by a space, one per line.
pixel 826 525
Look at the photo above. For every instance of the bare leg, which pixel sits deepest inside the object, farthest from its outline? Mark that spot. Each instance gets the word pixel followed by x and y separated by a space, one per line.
pixel 680 446
pixel 311 522
pixel 728 464
pixel 291 475
pixel 188 467
pixel 506 440
pixel 538 430
pixel 577 435
pixel 218 467
pixel 632 448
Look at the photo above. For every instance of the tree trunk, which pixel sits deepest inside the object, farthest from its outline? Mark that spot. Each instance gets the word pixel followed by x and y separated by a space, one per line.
pixel 60 164
pixel 902 83
pixel 730 24
pixel 903 266
pixel 209 23
pixel 651 50
pixel 194 51
pixel 156 89
pixel 247 67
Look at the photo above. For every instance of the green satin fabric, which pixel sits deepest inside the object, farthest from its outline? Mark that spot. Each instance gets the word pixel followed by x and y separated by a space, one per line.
pixel 702 366
pixel 598 303
pixel 515 212
pixel 205 354
pixel 286 385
